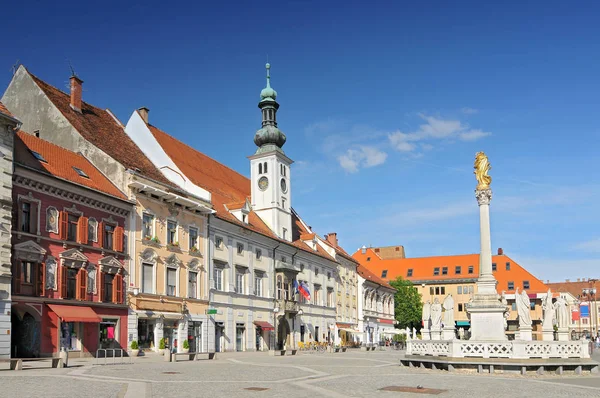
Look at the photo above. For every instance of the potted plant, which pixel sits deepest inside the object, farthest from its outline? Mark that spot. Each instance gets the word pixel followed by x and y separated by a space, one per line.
pixel 135 349
pixel 186 347
pixel 194 249
pixel 161 347
pixel 155 240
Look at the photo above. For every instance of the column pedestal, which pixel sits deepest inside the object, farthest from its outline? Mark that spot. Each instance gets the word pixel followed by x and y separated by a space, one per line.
pixel 563 334
pixel 436 333
pixel 448 333
pixel 525 333
pixel 425 334
pixel 548 334
pixel 487 318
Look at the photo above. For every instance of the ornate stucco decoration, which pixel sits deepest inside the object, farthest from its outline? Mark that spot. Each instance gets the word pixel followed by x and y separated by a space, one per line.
pixel 29 251
pixel 73 258
pixel 484 196
pixel 110 265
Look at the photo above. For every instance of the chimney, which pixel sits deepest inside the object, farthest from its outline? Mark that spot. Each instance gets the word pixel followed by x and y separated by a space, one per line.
pixel 578 280
pixel 144 113
pixel 500 251
pixel 363 249
pixel 332 238
pixel 567 280
pixel 76 93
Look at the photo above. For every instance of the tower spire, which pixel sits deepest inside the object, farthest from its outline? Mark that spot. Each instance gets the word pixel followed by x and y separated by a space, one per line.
pixel 269 137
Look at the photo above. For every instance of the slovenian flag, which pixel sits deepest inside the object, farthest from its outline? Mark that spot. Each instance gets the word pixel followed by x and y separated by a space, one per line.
pixel 303 290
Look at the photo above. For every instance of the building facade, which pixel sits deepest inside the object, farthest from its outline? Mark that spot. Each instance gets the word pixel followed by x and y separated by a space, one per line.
pixel 376 310
pixel 8 126
pixel 69 253
pixel 581 294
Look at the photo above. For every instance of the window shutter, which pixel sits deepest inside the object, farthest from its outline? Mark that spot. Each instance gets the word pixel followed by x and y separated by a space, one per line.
pixel 118 239
pixel 118 283
pixel 101 233
pixel 82 230
pixel 101 287
pixel 41 279
pixel 17 277
pixel 82 284
pixel 63 225
pixel 114 289
pixel 78 285
pixel 33 218
pixel 63 281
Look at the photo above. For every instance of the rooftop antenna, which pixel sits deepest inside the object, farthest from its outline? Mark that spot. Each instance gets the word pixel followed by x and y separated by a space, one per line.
pixel 71 67
pixel 15 67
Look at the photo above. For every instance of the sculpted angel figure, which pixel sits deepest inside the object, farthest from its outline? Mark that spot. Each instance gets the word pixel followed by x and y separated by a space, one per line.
pixel 482 167
pixel 562 312
pixel 448 305
pixel 426 314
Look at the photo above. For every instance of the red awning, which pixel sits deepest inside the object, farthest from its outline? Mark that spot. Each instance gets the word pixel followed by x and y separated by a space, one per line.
pixel 75 313
pixel 381 320
pixel 264 325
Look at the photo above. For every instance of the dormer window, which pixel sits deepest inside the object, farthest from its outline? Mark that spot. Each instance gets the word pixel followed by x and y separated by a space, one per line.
pixel 80 172
pixel 38 156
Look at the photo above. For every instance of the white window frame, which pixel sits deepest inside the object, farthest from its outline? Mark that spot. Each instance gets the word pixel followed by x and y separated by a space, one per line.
pixel 217 239
pixel 152 224
pixel 170 220
pixel 153 265
pixel 176 269
pixel 219 270
pixel 258 283
pixel 94 222
pixel 240 272
pixel 240 248
pixel 196 293
pixel 197 245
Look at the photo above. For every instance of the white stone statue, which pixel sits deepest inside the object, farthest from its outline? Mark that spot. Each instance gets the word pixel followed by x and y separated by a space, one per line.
pixel 562 313
pixel 523 308
pixel 448 311
pixel 414 333
pixel 426 314
pixel 407 331
pixel 436 314
pixel 548 307
pixel 461 333
pixel 507 312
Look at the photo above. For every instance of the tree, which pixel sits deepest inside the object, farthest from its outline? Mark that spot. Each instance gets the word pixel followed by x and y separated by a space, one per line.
pixel 408 305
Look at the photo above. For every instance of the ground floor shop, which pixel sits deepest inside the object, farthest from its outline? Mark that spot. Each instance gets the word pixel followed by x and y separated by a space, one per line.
pixel 40 329
pixel 347 334
pixel 242 329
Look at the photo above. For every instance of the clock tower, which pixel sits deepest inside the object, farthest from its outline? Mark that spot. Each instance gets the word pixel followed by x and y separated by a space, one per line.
pixel 270 169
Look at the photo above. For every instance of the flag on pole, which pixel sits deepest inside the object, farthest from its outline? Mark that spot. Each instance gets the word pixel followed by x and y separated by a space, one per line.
pixel 303 290
pixel 295 285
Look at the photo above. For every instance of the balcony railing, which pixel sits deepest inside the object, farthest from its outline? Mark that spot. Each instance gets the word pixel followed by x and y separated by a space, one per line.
pixel 288 306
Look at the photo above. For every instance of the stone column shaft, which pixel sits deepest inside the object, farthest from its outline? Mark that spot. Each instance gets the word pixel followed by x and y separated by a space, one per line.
pixel 486 284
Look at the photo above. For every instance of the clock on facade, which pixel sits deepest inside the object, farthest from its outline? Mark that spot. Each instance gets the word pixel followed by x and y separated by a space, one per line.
pixel 263 183
pixel 283 186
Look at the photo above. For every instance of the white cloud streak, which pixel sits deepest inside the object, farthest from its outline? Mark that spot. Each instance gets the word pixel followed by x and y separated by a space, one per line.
pixel 360 157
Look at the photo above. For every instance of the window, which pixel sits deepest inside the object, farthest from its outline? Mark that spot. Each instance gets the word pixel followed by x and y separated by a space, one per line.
pixel 73 221
pixel 494 267
pixel 258 281
pixel 280 294
pixel 109 231
pixel 409 272
pixel 148 226
pixel 511 285
pixel 317 295
pixel 283 205
pixel 471 289
pixel 470 270
pixel 93 229
pixel 532 305
pixel 260 168
pixel 147 276
pixel 525 284
pixel 316 271
pixel 240 248
pixel 218 277
pixel 384 273
pixel 368 258
pixel 330 302
pixel 239 281
pixel 431 291
pixel 437 290
pixel 508 266
pixel 107 289
pixel 27 271
pixel 445 271
pixel 457 270
pixel 38 156
pixel 265 168
pixel 514 306
pixel 258 254
pixel 465 289
pixel 193 239
pixel 436 271
pixel 171 233
pixel 25 217
pixel 192 285
pixel 80 172
pixel 443 290
pixel 218 242
pixel 284 234
pixel 459 290
pixel 328 275
pixel 171 281
pixel 460 307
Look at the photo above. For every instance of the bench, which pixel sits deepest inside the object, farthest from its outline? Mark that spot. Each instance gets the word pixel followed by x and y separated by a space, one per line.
pixel 192 356
pixel 17 363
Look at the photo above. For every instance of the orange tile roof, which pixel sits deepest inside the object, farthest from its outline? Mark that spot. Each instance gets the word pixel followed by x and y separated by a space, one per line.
pixel 101 129
pixel 423 268
pixel 60 162
pixel 225 185
pixel 368 275
pixel 4 110
pixel 235 205
pixel 575 287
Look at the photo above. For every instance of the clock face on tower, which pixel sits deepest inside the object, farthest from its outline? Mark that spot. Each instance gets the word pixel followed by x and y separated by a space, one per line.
pixel 263 183
pixel 283 186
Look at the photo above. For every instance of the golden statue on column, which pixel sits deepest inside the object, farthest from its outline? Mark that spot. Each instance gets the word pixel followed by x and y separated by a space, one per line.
pixel 482 167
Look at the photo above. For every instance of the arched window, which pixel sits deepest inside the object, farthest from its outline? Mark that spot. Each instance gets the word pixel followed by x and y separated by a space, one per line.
pixel 260 168
pixel 286 286
pixel 265 167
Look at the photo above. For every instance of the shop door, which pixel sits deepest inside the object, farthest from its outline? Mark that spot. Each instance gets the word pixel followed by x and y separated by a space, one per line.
pixel 239 338
pixel 258 338
pixel 218 337
pixel 195 336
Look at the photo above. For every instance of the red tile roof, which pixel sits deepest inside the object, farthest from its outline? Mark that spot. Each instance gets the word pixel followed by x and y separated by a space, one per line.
pixel 4 110
pixel 60 162
pixel 225 185
pixel 99 127
pixel 368 275
pixel 423 269
pixel 575 287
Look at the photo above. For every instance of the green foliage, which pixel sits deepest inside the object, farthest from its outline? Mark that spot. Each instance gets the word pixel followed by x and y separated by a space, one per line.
pixel 161 344
pixel 408 305
pixel 186 345
pixel 398 338
pixel 134 345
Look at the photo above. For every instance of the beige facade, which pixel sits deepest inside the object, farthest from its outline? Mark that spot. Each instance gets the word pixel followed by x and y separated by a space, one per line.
pixel 346 303
pixel 168 280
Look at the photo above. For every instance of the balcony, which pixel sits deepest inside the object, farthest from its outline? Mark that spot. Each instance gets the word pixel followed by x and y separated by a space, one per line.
pixel 288 306
pixel 286 266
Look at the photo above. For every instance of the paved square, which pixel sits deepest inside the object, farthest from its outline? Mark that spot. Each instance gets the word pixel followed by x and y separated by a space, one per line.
pixel 349 374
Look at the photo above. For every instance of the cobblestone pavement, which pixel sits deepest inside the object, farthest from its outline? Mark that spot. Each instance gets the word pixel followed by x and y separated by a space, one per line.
pixel 349 374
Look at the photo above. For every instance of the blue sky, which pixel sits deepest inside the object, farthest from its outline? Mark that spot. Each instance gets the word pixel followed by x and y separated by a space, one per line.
pixel 384 107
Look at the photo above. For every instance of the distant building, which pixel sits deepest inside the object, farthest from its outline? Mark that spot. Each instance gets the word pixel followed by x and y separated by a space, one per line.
pixel 436 277
pixel 376 308
pixel 582 295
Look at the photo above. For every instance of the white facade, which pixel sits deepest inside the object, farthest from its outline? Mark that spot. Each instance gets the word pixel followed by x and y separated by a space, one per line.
pixel 375 311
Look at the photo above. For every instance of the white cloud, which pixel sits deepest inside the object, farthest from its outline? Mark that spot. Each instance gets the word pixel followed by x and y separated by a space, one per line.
pixel 592 246
pixel 435 129
pixel 362 156
pixel 469 111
